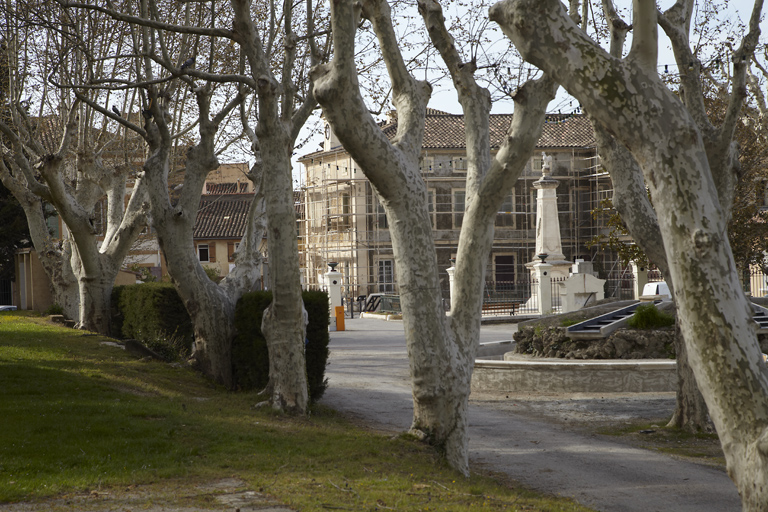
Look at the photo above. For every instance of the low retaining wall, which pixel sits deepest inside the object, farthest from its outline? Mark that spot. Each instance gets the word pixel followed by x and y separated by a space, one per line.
pixel 575 376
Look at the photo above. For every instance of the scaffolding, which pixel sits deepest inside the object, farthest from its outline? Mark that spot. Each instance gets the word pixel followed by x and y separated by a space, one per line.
pixel 344 222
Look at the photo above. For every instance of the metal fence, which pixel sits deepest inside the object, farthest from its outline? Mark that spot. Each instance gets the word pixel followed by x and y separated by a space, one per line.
pixel 620 284
pixel 556 290
pixel 507 298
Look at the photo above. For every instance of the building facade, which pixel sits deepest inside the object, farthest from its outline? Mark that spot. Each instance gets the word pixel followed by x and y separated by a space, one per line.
pixel 345 223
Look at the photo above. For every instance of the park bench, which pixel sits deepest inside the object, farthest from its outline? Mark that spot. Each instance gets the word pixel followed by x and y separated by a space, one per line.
pixel 501 307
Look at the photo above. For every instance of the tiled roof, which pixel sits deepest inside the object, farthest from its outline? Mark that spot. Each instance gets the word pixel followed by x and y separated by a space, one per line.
pixel 222 216
pixel 446 131
pixel 226 188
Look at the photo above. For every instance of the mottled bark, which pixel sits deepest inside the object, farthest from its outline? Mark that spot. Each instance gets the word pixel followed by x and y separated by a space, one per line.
pixel 284 322
pixel 631 201
pixel 441 351
pixel 273 140
pixel 628 99
pixel 210 305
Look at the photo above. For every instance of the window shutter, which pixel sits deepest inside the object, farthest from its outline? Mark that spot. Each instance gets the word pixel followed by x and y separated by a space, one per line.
pixel 212 252
pixel 230 251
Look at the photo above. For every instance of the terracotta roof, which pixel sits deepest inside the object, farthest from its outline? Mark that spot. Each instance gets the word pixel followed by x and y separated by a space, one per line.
pixel 222 216
pixel 446 131
pixel 226 188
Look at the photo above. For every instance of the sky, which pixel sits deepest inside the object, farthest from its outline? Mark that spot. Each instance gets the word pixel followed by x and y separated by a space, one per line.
pixel 444 96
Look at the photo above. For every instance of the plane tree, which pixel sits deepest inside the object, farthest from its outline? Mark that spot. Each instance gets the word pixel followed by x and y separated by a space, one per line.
pixel 688 182
pixel 441 349
pixel 58 156
pixel 223 54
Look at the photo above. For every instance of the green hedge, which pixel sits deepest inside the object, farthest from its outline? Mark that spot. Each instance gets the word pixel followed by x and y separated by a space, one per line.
pixel 154 314
pixel 316 304
pixel 136 313
pixel 249 351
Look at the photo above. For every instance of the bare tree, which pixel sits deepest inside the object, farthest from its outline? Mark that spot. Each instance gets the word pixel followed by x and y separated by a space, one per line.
pixel 627 97
pixel 263 42
pixel 60 155
pixel 441 349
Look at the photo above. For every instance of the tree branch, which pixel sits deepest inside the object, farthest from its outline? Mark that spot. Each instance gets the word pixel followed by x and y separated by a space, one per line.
pixel 144 22
pixel 645 39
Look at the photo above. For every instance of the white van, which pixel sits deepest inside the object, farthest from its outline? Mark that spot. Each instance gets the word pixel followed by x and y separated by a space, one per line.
pixel 656 291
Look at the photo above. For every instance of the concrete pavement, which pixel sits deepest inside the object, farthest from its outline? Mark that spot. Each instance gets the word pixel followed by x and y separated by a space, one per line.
pixel 368 381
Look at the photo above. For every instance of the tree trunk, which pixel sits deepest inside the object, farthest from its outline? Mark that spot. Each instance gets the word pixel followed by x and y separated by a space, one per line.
pixel 284 322
pixel 631 201
pixel 95 301
pixel 210 307
pixel 441 351
pixel 715 318
pixel 691 412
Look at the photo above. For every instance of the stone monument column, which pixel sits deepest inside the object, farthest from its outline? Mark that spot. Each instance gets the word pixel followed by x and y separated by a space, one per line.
pixel 548 239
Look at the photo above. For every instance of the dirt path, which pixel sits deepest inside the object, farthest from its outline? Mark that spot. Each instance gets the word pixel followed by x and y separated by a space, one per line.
pixel 229 494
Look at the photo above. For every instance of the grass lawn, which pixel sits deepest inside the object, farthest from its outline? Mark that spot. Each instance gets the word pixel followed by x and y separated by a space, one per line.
pixel 78 415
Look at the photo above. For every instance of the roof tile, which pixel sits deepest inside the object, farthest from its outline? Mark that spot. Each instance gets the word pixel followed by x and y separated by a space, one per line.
pixel 446 131
pixel 222 216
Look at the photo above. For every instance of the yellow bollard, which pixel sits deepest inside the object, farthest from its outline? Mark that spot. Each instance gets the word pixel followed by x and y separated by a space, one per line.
pixel 339 318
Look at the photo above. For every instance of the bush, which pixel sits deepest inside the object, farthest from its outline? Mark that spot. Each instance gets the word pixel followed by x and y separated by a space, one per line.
pixel 154 314
pixel 54 309
pixel 212 273
pixel 648 317
pixel 316 304
pixel 250 361
pixel 250 358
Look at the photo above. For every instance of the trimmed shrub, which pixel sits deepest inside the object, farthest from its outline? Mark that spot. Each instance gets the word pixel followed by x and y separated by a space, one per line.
pixel 316 304
pixel 647 316
pixel 154 314
pixel 250 357
pixel 250 360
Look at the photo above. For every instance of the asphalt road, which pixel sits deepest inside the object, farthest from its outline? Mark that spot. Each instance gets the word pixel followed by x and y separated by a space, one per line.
pixel 368 381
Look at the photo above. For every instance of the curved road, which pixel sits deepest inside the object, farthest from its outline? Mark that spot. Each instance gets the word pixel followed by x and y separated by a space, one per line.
pixel 368 380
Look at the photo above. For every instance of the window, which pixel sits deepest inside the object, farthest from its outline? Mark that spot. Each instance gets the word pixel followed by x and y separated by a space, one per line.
pixel 537 164
pixel 604 195
pixel 99 218
pixel 202 253
pixel 231 249
pixel 381 216
pixel 386 276
pixel 504 268
pixel 426 164
pixel 338 209
pixel 460 164
pixel 506 216
pixel 458 207
pixel 431 206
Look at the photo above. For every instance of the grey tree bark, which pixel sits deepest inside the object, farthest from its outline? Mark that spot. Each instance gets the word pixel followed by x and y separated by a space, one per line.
pixel 278 123
pixel 210 305
pixel 628 99
pixel 631 201
pixel 441 350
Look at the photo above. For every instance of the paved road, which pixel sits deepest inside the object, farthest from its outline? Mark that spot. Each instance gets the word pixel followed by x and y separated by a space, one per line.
pixel 368 380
